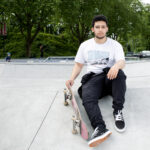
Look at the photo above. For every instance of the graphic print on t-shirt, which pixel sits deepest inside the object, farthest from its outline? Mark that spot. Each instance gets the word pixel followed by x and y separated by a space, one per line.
pixel 98 57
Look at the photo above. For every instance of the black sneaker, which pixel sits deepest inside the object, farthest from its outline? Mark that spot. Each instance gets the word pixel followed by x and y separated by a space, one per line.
pixel 98 136
pixel 119 121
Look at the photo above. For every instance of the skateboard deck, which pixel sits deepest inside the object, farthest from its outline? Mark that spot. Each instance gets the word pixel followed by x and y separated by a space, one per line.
pixel 80 118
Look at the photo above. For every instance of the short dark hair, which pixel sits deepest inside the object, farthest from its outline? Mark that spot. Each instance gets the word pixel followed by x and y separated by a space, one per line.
pixel 99 18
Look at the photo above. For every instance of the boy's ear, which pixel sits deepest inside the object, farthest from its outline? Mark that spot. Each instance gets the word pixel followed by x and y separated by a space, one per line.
pixel 92 29
pixel 107 29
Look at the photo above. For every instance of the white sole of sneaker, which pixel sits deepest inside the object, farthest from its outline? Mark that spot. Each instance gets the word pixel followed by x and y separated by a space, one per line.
pixel 120 130
pixel 100 139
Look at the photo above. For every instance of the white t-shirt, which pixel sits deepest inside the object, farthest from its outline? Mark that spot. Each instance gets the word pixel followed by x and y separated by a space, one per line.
pixel 99 56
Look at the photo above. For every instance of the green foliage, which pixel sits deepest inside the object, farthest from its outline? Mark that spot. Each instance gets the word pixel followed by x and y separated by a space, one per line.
pixel 53 45
pixel 125 18
pixel 14 43
pixel 68 23
pixel 146 31
pixel 77 16
pixel 30 17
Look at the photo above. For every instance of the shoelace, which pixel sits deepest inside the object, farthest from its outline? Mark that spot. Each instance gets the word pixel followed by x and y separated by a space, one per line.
pixel 95 132
pixel 119 116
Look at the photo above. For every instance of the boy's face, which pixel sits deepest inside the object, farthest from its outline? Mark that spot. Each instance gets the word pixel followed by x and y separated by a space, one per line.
pixel 100 29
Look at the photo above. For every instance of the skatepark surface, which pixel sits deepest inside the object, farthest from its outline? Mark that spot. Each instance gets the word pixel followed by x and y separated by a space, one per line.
pixel 33 116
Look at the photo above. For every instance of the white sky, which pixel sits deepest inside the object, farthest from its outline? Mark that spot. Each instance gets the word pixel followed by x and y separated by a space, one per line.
pixel 145 1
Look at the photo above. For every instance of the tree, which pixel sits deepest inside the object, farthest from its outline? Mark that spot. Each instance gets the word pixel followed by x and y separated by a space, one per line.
pixel 30 16
pixel 3 31
pixel 146 30
pixel 76 16
pixel 123 16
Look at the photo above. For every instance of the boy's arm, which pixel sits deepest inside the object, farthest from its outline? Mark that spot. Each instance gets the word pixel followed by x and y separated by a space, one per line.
pixel 113 72
pixel 75 72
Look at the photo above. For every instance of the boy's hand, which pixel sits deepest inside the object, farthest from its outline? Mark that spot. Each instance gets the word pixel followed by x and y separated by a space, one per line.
pixel 69 83
pixel 113 72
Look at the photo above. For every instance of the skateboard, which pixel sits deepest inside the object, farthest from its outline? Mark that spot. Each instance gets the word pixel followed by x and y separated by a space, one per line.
pixel 79 120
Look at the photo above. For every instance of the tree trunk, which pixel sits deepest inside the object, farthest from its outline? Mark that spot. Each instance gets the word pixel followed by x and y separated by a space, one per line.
pixel 28 49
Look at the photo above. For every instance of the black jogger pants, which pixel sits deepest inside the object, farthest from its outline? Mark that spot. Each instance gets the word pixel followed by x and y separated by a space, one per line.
pixel 96 86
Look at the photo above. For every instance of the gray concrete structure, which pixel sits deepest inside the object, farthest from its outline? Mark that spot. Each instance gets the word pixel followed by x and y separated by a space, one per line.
pixel 33 117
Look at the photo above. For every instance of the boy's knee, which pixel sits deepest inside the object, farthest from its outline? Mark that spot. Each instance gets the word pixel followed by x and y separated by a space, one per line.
pixel 121 74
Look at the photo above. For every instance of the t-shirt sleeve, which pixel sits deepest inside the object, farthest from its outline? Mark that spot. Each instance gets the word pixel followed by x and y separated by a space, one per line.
pixel 119 53
pixel 80 55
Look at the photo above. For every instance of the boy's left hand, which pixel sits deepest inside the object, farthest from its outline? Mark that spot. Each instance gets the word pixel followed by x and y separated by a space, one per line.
pixel 113 72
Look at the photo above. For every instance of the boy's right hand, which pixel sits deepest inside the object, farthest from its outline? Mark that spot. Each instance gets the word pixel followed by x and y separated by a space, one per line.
pixel 69 83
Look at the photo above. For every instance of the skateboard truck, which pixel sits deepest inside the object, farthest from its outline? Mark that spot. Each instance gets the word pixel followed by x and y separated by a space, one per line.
pixel 67 95
pixel 76 123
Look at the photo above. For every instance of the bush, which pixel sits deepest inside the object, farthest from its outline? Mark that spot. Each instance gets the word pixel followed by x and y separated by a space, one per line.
pixel 53 45
pixel 14 43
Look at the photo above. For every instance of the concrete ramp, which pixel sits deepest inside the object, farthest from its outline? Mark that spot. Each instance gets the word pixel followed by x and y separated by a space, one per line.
pixel 136 113
pixel 33 117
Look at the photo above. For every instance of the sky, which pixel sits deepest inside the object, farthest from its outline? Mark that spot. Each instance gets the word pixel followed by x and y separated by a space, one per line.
pixel 145 1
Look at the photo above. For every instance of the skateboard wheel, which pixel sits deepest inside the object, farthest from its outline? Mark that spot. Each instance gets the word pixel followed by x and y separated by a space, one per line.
pixel 65 90
pixel 66 103
pixel 73 118
pixel 74 131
